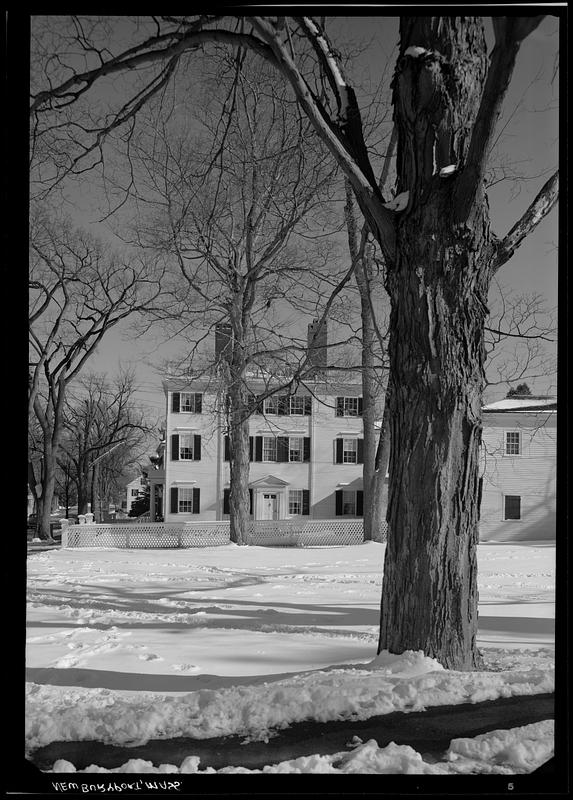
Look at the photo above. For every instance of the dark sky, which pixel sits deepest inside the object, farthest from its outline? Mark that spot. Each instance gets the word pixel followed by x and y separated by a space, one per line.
pixel 529 141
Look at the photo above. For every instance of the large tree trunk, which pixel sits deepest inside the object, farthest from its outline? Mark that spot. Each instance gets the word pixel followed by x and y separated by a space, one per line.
pixel 239 465
pixel 438 288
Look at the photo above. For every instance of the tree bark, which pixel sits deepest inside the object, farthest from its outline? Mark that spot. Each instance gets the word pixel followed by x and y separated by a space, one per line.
pixel 239 465
pixel 439 280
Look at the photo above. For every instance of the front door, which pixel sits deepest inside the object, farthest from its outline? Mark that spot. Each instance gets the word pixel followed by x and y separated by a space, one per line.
pixel 270 506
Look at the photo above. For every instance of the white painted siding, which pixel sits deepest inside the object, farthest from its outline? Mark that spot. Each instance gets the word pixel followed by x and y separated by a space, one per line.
pixel 321 476
pixel 530 475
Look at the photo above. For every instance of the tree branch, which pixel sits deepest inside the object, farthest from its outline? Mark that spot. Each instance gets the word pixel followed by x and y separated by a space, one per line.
pixel 537 211
pixel 509 33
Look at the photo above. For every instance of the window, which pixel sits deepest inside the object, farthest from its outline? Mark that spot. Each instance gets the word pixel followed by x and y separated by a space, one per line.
pixel 134 492
pixel 348 406
pixel 295 501
pixel 187 402
pixel 512 443
pixel 297 405
pixel 186 446
pixel 349 504
pixel 349 451
pixel 296 448
pixel 269 448
pixel 185 501
pixel 512 506
pixel 299 501
pixel 271 405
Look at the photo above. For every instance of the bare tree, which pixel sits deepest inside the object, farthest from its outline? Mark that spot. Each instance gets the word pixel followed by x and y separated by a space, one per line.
pixel 106 433
pixel 78 291
pixel 520 337
pixel 440 256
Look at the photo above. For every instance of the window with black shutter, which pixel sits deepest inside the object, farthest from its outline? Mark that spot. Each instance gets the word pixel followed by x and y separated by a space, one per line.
pixel 198 403
pixel 340 406
pixel 174 499
pixel 360 406
pixel 197 448
pixel 307 405
pixel 251 444
pixel 359 503
pixel 226 503
pixel 175 402
pixel 196 501
pixel 339 459
pixel 258 448
pixel 306 452
pixel 305 501
pixel 338 503
pixel 250 501
pixel 360 452
pixel 174 447
pixel 227 448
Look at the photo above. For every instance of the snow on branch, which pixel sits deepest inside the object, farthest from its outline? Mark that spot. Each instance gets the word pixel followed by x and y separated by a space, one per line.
pixel 537 211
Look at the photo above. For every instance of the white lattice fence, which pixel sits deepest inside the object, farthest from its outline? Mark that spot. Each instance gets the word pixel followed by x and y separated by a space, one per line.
pixel 275 533
pixel 147 535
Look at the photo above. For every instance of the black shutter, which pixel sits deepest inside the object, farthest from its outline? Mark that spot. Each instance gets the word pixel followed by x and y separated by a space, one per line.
pixel 250 448
pixel 360 406
pixel 227 455
pixel 174 447
pixel 338 503
pixel 480 492
pixel 250 501
pixel 306 452
pixel 305 501
pixel 339 447
pixel 196 501
pixel 226 506
pixel 197 448
pixel 283 404
pixel 360 503
pixel 174 498
pixel 282 448
pixel 340 406
pixel 360 453
pixel 258 448
pixel 175 402
pixel 307 405
pixel 198 403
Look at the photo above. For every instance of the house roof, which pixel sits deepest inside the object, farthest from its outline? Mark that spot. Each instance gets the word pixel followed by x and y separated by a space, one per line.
pixel 529 403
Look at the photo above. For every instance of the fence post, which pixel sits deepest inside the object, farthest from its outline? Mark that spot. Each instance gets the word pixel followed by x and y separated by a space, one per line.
pixel 64 523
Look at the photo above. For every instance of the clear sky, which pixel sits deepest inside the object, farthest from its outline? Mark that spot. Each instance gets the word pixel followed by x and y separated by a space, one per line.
pixel 529 140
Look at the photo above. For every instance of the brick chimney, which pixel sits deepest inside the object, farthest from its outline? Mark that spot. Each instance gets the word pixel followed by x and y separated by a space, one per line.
pixel 317 343
pixel 223 340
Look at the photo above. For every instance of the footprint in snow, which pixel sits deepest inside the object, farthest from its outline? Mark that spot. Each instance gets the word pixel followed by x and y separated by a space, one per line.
pixel 149 657
pixel 185 667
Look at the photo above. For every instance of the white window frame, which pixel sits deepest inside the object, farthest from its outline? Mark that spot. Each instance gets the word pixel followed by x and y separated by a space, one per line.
pixel 271 405
pixel 293 449
pixel 189 447
pixel 185 500
pixel 352 451
pixel 503 510
pixel 519 435
pixel 268 448
pixel 187 407
pixel 348 498
pixel 296 405
pixel 295 501
pixel 350 408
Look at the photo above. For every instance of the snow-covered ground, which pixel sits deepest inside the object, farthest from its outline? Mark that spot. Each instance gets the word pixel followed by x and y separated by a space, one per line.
pixel 130 645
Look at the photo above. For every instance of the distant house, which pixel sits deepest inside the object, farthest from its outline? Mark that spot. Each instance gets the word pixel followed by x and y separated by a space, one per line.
pixel 133 490
pixel 519 465
pixel 306 448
